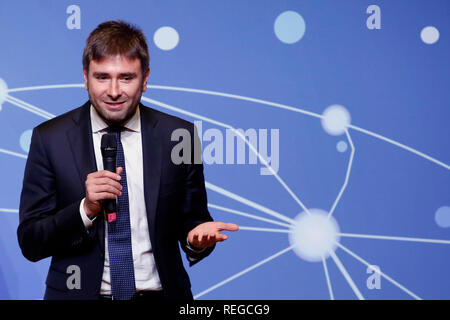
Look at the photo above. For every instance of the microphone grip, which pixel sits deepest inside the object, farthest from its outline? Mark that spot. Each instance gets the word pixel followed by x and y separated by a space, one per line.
pixel 109 164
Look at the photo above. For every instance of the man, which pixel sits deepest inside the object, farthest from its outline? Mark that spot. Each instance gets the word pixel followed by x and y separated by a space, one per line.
pixel 160 204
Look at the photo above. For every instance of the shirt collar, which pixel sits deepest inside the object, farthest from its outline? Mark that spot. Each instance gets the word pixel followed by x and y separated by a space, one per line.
pixel 98 124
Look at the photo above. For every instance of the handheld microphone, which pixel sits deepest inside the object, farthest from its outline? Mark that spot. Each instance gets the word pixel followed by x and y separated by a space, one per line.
pixel 109 153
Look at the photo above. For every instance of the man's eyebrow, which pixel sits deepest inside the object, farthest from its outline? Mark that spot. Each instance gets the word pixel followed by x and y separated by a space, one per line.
pixel 124 74
pixel 128 74
pixel 100 74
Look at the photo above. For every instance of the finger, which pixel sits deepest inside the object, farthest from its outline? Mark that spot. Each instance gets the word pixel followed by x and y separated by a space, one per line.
pixel 102 173
pixel 102 196
pixel 227 226
pixel 221 237
pixel 119 170
pixel 108 174
pixel 210 240
pixel 217 238
pixel 194 239
pixel 112 182
pixel 104 188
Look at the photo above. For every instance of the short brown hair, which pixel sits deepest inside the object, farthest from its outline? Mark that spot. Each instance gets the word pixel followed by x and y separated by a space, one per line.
pixel 116 37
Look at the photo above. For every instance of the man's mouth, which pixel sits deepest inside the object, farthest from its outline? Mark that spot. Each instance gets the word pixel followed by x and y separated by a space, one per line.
pixel 114 103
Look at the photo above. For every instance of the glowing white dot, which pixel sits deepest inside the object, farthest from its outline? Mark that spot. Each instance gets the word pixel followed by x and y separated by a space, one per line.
pixel 429 35
pixel 289 27
pixel 166 38
pixel 314 235
pixel 3 92
pixel 442 217
pixel 25 140
pixel 335 120
pixel 341 146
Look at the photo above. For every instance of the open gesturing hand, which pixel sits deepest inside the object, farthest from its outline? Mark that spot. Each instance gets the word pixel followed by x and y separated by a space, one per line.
pixel 208 233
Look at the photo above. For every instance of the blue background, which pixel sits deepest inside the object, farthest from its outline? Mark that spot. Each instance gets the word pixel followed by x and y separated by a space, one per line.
pixel 390 81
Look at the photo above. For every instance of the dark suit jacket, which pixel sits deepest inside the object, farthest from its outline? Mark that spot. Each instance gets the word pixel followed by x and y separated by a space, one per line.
pixel 60 158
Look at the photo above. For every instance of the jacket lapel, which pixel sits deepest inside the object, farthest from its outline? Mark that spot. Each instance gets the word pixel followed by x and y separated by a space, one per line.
pixel 80 139
pixel 152 157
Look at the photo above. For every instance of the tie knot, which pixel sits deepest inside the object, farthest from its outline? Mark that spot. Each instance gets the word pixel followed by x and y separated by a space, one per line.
pixel 114 129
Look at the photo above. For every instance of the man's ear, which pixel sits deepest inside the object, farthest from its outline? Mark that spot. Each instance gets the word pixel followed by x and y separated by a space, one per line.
pixel 85 75
pixel 144 81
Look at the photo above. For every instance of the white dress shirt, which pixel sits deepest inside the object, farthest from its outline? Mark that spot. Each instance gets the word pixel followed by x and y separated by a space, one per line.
pixel 145 272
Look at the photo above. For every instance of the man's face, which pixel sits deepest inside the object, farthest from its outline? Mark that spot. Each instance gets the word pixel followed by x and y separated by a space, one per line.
pixel 115 85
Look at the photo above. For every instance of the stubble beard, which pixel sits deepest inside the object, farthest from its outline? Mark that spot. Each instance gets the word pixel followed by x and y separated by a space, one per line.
pixel 114 121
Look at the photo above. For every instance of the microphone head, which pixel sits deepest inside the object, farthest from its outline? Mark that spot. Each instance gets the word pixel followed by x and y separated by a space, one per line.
pixel 109 145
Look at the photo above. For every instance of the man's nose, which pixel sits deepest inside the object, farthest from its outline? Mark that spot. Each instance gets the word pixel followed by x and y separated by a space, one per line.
pixel 114 89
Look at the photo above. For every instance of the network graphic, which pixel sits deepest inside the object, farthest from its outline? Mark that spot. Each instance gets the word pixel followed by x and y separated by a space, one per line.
pixel 353 211
pixel 314 235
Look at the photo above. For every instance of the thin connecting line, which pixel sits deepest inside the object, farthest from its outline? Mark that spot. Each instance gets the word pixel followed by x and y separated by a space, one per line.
pixel 264 102
pixel 53 86
pixel 12 153
pixel 346 275
pixel 26 104
pixel 327 276
pixel 256 265
pixel 29 107
pixel 354 255
pixel 26 108
pixel 400 145
pixel 368 236
pixel 247 202
pixel 238 97
pixel 265 229
pixel 251 147
pixel 9 210
pixel 213 206
pixel 349 168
